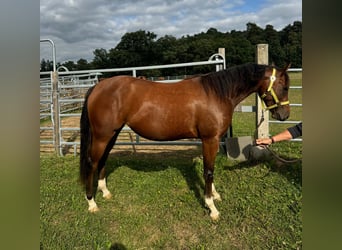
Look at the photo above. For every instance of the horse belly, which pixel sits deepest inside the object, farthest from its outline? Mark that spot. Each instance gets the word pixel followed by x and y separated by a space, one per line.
pixel 164 125
pixel 160 134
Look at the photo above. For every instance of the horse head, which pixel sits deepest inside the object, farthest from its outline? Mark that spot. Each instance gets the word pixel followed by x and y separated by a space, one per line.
pixel 274 92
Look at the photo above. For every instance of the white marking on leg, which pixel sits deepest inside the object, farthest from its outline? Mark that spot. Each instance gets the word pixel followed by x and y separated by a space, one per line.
pixel 103 187
pixel 216 195
pixel 92 205
pixel 214 214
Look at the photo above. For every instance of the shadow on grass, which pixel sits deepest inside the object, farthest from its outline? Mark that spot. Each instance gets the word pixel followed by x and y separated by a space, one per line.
pixel 291 170
pixel 182 160
pixel 117 246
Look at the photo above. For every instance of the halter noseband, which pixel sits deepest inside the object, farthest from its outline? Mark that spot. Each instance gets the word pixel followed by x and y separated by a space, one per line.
pixel 273 94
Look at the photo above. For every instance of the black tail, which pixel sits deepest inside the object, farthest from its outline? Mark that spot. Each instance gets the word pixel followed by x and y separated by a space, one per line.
pixel 85 161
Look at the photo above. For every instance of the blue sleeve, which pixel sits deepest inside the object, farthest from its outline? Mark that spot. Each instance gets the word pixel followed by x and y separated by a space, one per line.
pixel 296 130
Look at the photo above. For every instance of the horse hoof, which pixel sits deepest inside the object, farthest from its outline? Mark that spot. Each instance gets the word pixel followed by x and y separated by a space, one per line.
pixel 93 209
pixel 217 198
pixel 214 216
pixel 108 196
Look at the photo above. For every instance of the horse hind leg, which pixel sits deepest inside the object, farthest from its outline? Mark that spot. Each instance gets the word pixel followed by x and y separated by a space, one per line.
pixel 102 183
pixel 102 186
pixel 92 206
pixel 216 195
pixel 98 151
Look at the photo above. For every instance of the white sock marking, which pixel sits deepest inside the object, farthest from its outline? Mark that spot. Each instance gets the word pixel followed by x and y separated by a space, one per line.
pixel 214 214
pixel 92 205
pixel 103 187
pixel 216 195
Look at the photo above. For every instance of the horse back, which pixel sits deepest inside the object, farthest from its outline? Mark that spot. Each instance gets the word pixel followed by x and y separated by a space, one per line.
pixel 157 111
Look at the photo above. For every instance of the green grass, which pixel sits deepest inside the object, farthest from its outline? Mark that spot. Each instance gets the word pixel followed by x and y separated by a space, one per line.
pixel 158 204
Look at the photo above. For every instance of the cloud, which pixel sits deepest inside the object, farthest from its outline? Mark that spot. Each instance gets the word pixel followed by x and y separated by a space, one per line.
pixel 78 27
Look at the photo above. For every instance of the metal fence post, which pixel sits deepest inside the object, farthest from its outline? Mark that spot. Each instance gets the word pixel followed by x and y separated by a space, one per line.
pixel 263 129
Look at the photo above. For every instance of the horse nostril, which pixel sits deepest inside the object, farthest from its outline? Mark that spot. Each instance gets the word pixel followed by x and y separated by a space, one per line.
pixel 284 117
pixel 280 117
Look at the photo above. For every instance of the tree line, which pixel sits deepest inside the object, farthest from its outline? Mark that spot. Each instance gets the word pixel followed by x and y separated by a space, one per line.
pixel 142 48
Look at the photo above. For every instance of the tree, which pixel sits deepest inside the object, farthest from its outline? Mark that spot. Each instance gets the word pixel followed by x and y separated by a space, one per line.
pixel 166 51
pixel 138 41
pixel 101 59
pixel 82 64
pixel 240 50
pixel 276 53
pixel 140 47
pixel 255 34
pixel 291 40
pixel 70 65
pixel 124 58
pixel 46 65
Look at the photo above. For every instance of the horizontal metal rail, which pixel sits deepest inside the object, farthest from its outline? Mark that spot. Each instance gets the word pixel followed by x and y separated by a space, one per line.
pixel 284 122
pixel 151 143
pixel 134 69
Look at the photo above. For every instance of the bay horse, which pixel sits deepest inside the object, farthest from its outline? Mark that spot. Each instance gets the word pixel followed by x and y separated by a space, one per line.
pixel 198 107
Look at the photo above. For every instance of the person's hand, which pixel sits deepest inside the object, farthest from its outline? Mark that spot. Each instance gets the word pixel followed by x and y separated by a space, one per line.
pixel 263 141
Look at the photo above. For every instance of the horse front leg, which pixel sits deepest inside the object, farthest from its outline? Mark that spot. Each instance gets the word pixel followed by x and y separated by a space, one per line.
pixel 210 148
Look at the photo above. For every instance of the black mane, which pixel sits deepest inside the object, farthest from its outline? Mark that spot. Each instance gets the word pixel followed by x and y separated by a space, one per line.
pixel 237 79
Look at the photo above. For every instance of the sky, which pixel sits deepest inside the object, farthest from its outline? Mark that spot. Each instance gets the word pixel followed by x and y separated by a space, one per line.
pixel 78 27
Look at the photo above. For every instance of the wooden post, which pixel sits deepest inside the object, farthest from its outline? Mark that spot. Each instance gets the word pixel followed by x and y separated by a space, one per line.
pixel 263 130
pixel 222 52
pixel 55 112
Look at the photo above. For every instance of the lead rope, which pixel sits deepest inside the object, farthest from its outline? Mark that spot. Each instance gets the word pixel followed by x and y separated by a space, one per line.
pixel 267 147
pixel 261 121
pixel 280 158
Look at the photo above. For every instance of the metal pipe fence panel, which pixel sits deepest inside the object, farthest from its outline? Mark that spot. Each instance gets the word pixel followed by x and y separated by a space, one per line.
pixel 72 87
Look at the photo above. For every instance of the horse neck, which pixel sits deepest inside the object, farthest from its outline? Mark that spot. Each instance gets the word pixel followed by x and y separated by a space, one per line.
pixel 237 94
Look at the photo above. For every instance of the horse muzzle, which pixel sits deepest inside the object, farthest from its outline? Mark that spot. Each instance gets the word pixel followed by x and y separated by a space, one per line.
pixel 281 113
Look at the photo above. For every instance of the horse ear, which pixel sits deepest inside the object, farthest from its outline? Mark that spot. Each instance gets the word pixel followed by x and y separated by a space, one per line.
pixel 288 65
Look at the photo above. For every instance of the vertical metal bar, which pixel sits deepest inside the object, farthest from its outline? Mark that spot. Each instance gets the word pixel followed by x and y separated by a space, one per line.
pixel 55 103
pixel 53 51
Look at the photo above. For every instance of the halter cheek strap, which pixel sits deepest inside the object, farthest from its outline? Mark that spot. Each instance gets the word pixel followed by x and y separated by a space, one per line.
pixel 273 94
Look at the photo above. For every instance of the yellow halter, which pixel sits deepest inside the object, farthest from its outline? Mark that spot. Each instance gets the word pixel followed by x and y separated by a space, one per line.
pixel 273 94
